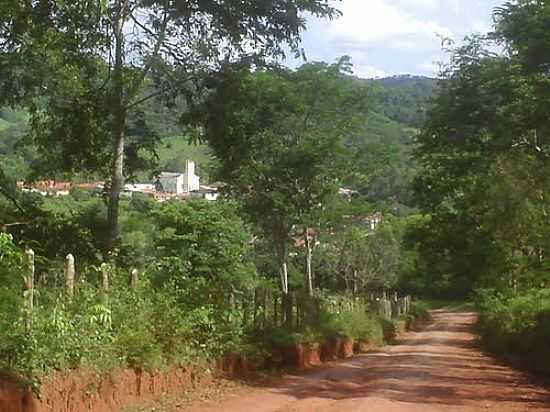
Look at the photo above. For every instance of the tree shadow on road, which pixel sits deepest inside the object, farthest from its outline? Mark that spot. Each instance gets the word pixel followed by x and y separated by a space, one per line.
pixel 441 365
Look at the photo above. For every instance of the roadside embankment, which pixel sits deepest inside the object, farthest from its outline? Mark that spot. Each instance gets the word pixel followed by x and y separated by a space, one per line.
pixel 88 391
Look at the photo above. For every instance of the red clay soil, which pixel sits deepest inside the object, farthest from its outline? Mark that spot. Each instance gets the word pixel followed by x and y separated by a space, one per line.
pixel 438 369
pixel 78 391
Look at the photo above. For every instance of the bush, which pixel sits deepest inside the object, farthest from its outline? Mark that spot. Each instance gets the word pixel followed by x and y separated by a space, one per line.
pixel 517 326
pixel 281 337
pixel 358 324
pixel 419 311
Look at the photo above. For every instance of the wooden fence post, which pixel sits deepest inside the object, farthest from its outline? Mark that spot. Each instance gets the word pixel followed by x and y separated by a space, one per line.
pixel 69 276
pixel 29 287
pixel 275 309
pixel 105 277
pixel 134 279
pixel 264 309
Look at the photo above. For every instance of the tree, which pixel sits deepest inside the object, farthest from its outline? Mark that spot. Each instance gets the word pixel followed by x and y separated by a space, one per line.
pixel 279 136
pixel 484 151
pixel 84 69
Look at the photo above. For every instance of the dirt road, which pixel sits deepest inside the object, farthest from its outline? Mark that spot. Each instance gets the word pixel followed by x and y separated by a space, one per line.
pixel 437 369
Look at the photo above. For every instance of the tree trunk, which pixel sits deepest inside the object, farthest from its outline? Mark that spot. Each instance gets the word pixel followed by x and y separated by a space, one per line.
pixel 286 301
pixel 117 182
pixel 309 257
pixel 118 129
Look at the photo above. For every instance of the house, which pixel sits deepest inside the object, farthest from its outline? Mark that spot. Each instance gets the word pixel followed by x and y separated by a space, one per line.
pixel 139 187
pixel 347 193
pixel 206 192
pixel 56 188
pixel 179 183
pixel 170 183
pixel 374 220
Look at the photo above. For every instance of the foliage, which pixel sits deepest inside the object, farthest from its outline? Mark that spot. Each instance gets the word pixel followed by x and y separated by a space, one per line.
pixel 419 311
pixel 279 140
pixel 405 99
pixel 484 159
pixel 358 324
pixel 85 69
pixel 516 325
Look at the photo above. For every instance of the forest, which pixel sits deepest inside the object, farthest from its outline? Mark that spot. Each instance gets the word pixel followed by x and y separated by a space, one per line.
pixel 447 177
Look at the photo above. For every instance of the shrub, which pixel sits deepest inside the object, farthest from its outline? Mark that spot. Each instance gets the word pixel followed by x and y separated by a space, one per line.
pixel 357 324
pixel 517 326
pixel 419 311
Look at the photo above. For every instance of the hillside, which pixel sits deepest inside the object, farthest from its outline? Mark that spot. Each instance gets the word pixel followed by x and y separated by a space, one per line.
pixel 404 99
pixel 385 165
pixel 398 109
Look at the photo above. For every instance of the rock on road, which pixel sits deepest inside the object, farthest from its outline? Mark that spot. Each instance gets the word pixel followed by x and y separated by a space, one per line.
pixel 438 369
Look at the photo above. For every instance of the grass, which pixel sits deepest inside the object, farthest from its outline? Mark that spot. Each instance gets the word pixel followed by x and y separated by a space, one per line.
pixel 450 305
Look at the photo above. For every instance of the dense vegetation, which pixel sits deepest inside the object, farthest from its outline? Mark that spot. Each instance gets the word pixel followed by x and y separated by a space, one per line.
pixel 283 258
pixel 457 173
pixel 484 156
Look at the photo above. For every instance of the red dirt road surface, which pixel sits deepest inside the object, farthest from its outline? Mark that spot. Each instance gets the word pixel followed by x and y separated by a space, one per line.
pixel 438 369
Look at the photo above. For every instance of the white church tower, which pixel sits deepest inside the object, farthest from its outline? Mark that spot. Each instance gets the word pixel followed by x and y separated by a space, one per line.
pixel 191 181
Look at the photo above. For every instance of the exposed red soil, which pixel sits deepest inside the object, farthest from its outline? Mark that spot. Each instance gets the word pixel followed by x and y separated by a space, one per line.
pixel 440 368
pixel 78 391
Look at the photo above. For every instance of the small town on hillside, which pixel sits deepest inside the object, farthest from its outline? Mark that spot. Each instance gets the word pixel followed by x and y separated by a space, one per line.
pixel 165 186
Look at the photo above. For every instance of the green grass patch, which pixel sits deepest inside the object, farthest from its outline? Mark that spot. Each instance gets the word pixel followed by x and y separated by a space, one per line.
pixel 450 305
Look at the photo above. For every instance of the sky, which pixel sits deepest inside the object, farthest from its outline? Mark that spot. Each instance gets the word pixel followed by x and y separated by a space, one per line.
pixel 391 37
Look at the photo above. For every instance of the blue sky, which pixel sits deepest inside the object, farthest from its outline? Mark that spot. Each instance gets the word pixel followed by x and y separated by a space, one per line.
pixel 388 37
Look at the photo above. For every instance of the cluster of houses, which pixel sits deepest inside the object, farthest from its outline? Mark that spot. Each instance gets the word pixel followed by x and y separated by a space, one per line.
pixel 166 186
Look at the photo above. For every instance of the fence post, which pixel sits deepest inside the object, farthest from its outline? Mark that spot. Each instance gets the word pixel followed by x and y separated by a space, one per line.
pixel 275 309
pixel 29 287
pixel 105 277
pixel 134 278
pixel 69 276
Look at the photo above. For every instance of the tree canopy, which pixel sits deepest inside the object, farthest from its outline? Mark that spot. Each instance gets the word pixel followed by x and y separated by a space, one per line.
pixel 84 69
pixel 484 151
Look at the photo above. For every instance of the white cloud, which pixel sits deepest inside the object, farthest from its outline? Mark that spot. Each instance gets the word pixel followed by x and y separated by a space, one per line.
pixel 387 37
pixel 369 72
pixel 426 4
pixel 378 21
pixel 429 68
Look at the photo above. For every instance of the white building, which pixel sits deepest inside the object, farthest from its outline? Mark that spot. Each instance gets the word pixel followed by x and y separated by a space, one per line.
pixel 207 193
pixel 139 187
pixel 170 182
pixel 180 183
pixel 191 181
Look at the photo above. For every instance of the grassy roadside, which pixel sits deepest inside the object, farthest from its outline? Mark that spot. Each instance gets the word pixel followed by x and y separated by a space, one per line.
pixel 450 305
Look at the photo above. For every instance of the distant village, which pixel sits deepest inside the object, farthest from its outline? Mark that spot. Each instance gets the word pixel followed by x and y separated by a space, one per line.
pixel 166 186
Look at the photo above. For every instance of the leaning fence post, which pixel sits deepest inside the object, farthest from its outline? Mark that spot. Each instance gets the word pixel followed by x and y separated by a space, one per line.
pixel 29 286
pixel 69 276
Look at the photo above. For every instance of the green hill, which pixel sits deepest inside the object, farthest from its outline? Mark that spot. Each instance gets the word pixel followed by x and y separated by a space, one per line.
pixel 382 148
pixel 384 166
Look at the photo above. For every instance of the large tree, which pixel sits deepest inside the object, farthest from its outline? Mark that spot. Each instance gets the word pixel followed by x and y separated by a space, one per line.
pixel 485 156
pixel 85 68
pixel 279 137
